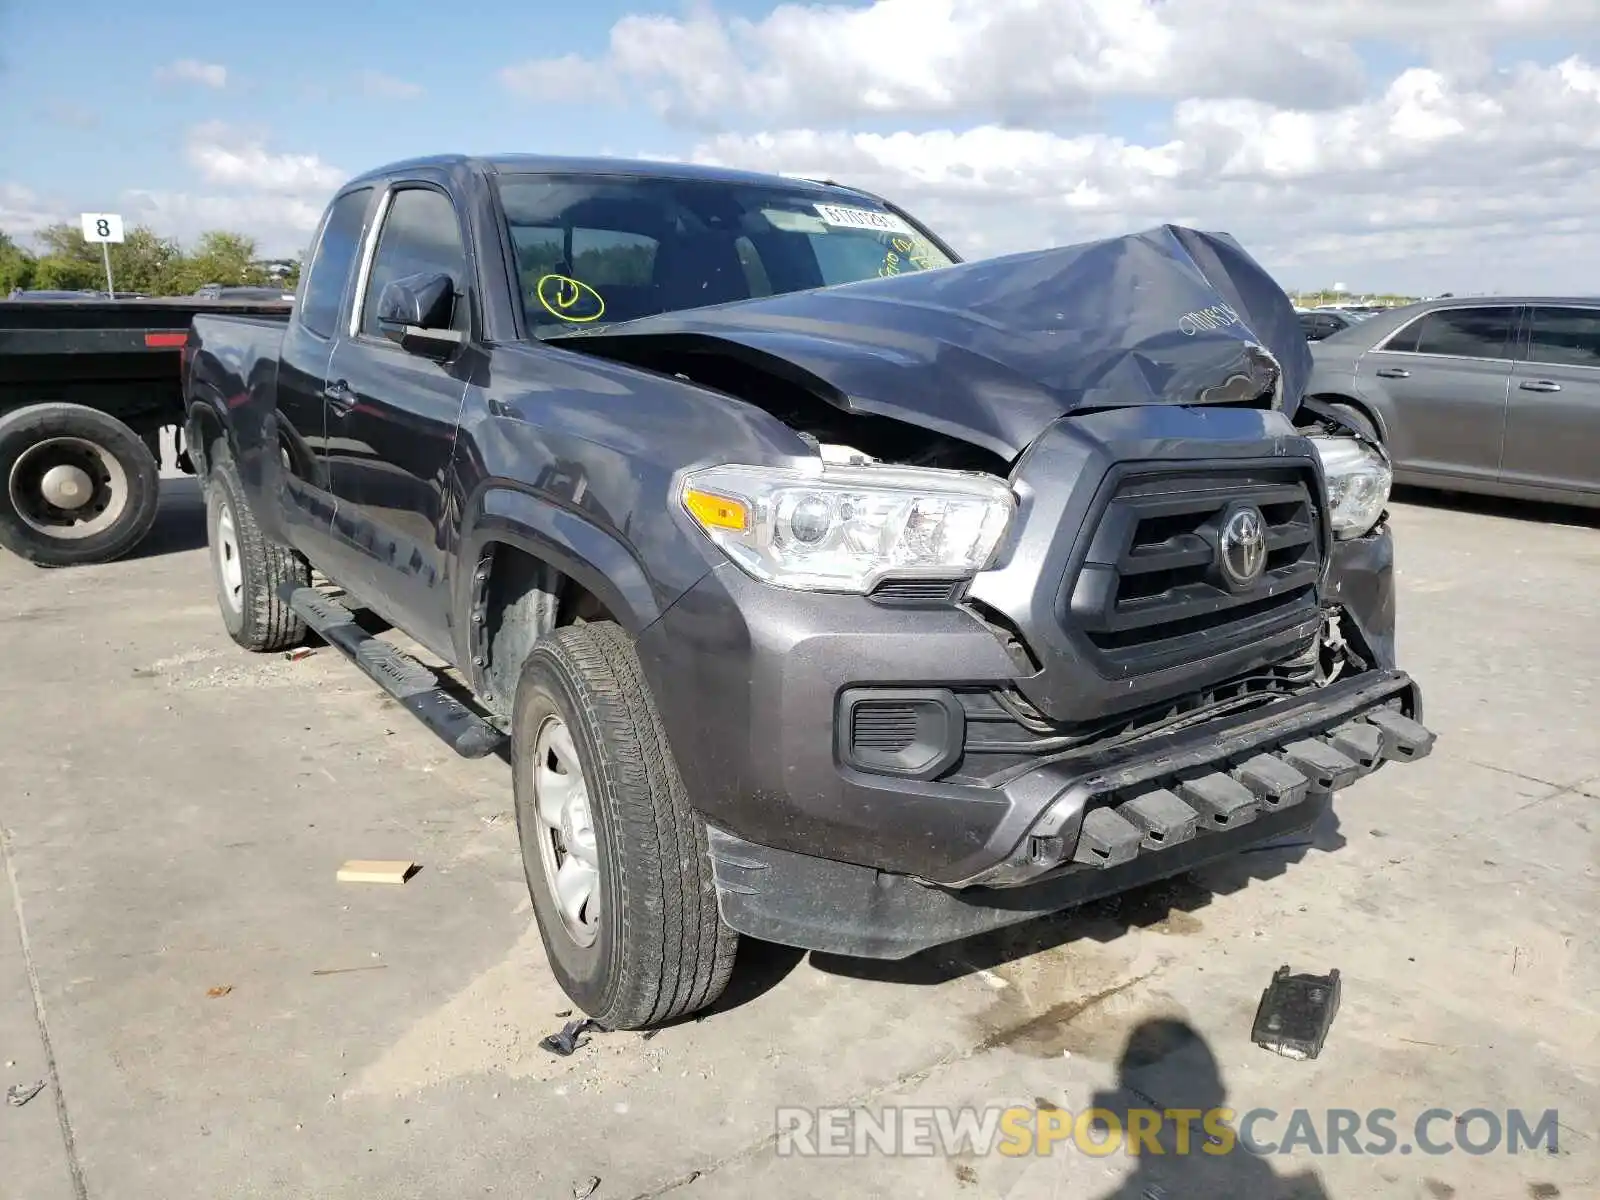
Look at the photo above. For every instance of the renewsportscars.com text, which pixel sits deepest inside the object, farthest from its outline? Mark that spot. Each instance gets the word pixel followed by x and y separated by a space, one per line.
pixel 1021 1130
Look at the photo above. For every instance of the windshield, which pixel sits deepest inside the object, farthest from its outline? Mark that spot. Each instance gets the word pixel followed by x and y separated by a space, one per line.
pixel 595 250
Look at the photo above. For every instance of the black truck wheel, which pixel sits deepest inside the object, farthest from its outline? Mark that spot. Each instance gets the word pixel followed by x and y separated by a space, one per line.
pixel 615 859
pixel 77 486
pixel 246 567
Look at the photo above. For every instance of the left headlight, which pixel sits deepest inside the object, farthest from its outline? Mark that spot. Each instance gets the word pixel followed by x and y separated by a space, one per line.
pixel 1359 478
pixel 843 529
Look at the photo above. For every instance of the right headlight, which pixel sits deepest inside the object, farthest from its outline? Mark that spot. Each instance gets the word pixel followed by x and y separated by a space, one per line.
pixel 831 528
pixel 1359 478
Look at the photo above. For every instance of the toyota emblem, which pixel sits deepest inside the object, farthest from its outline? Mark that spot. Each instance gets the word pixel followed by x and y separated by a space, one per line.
pixel 1242 549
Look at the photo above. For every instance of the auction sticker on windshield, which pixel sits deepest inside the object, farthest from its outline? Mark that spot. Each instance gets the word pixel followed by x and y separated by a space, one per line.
pixel 861 218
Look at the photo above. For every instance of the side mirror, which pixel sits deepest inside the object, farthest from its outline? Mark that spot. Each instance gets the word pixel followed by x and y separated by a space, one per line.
pixel 415 313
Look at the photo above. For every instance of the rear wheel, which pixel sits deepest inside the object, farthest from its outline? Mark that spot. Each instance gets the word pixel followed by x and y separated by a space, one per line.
pixel 616 861
pixel 79 486
pixel 247 568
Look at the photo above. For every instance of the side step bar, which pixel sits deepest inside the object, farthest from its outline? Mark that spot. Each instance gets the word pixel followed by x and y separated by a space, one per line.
pixel 396 672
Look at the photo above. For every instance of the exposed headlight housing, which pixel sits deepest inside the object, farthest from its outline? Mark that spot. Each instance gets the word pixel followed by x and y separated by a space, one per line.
pixel 1358 477
pixel 832 528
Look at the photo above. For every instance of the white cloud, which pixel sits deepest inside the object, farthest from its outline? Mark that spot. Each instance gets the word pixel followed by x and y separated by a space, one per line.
pixel 1435 182
pixel 387 87
pixel 190 70
pixel 542 79
pixel 1359 136
pixel 224 155
pixel 240 184
pixel 280 224
pixel 23 212
pixel 1017 60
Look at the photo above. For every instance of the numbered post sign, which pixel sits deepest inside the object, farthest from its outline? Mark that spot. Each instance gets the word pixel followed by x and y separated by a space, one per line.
pixel 102 227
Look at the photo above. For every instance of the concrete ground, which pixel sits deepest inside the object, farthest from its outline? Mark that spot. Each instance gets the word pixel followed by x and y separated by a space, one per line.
pixel 173 811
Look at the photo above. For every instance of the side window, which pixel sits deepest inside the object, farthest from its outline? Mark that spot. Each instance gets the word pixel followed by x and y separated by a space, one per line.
pixel 1466 332
pixel 420 234
pixel 1404 341
pixel 1566 337
pixel 330 266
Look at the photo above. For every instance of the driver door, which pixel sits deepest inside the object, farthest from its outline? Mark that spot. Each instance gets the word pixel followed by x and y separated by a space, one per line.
pixel 391 426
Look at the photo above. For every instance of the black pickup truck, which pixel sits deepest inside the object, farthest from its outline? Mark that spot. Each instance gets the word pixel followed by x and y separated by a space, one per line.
pixel 827 589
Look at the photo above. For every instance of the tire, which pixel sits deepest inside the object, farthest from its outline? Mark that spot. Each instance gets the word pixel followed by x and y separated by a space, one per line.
pixel 658 948
pixel 77 486
pixel 246 568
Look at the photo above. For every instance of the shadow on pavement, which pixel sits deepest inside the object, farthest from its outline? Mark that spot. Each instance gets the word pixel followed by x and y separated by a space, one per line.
pixel 1538 511
pixel 180 523
pixel 1166 1065
pixel 1171 901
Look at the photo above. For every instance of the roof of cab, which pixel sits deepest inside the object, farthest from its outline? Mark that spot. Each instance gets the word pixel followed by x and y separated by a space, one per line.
pixel 514 164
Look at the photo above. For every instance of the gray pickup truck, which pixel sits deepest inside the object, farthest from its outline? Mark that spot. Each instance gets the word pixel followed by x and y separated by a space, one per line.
pixel 823 587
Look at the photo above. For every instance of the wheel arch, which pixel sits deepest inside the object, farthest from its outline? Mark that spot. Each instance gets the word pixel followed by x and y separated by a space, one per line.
pixel 206 422
pixel 529 567
pixel 1369 411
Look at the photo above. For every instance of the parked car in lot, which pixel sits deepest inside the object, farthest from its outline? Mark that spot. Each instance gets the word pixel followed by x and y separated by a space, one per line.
pixel 1318 323
pixel 1498 395
pixel 830 590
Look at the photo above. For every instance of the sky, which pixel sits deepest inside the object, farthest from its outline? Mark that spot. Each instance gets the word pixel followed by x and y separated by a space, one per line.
pixel 1417 146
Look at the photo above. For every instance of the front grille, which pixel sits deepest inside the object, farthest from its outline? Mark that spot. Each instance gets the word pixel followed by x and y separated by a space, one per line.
pixel 1151 590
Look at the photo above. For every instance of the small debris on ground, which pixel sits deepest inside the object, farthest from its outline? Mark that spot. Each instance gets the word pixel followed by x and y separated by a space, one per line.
pixel 1295 1013
pixel 298 653
pixel 221 990
pixel 19 1094
pixel 585 1189
pixel 367 870
pixel 347 970
pixel 564 1042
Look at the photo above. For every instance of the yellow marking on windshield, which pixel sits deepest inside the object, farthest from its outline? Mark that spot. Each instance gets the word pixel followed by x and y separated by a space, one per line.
pixel 564 298
pixel 903 249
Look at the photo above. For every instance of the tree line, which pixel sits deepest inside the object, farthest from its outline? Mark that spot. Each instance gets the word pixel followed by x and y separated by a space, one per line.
pixel 145 262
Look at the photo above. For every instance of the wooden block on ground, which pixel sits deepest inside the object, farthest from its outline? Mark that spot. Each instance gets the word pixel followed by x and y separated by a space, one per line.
pixel 361 870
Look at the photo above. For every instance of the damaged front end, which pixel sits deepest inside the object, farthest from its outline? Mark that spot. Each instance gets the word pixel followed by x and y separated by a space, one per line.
pixel 1073 591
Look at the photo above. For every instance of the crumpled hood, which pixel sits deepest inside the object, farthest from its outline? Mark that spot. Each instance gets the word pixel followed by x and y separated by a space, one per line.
pixel 995 351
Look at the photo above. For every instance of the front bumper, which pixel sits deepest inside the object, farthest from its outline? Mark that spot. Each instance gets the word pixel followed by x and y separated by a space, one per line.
pixel 749 679
pixel 1139 816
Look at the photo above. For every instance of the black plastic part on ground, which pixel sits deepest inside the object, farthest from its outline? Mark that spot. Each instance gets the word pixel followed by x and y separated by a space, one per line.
pixel 1295 1013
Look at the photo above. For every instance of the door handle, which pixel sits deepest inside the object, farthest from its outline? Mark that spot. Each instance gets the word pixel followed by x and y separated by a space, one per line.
pixel 1393 373
pixel 1539 385
pixel 339 395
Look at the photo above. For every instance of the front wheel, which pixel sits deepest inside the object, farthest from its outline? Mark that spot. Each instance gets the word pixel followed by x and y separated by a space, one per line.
pixel 77 486
pixel 616 861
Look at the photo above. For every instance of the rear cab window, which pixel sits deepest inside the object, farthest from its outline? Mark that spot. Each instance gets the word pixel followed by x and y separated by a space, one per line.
pixel 331 264
pixel 595 250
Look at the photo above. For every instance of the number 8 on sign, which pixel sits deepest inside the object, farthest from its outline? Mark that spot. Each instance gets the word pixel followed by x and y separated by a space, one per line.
pixel 102 227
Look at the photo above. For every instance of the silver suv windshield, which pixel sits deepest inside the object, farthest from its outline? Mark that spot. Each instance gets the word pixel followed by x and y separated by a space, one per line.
pixel 596 250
